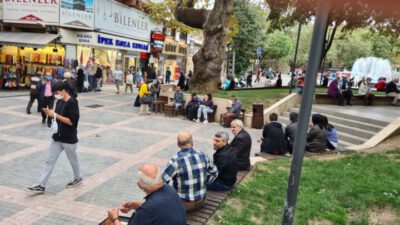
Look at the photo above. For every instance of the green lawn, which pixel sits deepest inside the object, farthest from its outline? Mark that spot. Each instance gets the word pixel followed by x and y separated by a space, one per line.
pixel 341 191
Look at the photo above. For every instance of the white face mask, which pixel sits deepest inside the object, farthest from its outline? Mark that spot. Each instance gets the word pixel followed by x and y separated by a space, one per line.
pixel 58 96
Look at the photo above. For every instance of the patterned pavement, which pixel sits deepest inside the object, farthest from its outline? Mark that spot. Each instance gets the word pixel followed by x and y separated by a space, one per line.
pixel 113 142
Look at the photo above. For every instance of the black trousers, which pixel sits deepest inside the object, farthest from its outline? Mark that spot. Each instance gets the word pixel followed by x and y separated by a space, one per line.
pixel 33 97
pixel 47 102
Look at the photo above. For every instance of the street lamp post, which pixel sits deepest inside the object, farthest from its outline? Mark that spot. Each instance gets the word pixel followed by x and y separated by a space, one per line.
pixel 320 25
pixel 295 58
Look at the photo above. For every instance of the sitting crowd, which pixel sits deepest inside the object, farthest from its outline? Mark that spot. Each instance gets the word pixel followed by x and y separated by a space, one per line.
pixel 340 90
pixel 183 183
pixel 321 135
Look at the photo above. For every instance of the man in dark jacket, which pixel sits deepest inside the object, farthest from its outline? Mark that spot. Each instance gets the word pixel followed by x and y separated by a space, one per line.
pixel 391 90
pixel 273 139
pixel 241 144
pixel 226 162
pixel 182 80
pixel 290 131
pixel 34 92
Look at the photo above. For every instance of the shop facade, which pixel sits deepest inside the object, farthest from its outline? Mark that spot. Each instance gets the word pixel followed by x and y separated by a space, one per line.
pixel 174 56
pixel 24 54
pixel 104 49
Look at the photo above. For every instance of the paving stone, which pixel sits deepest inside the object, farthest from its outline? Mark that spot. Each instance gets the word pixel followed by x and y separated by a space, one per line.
pixel 8 209
pixel 25 171
pixel 59 219
pixel 38 131
pixel 6 102
pixel 162 123
pixel 115 191
pixel 121 141
pixel 7 119
pixel 10 146
pixel 101 117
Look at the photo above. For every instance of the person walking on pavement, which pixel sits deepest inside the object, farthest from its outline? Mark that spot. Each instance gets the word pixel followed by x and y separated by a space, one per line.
pixel 249 79
pixel 46 98
pixel 98 77
pixel 138 76
pixel 118 78
pixel 34 93
pixel 66 115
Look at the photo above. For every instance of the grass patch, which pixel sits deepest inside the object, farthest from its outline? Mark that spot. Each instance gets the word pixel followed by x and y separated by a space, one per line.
pixel 330 191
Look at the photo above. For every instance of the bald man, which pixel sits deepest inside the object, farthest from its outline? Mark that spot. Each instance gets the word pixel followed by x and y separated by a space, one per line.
pixel 189 171
pixel 162 206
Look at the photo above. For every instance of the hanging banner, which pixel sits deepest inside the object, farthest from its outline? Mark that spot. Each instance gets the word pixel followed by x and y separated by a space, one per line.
pixel 77 14
pixel 34 12
pixel 116 18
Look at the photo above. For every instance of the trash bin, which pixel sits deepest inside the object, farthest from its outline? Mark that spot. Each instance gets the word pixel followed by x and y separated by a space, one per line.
pixel 258 116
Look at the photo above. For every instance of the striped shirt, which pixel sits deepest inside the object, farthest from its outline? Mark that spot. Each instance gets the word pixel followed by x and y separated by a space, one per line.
pixel 189 172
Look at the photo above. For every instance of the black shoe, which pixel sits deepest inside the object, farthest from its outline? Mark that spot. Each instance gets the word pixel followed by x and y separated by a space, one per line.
pixel 43 121
pixel 28 112
pixel 74 183
pixel 37 189
pixel 349 104
pixel 49 125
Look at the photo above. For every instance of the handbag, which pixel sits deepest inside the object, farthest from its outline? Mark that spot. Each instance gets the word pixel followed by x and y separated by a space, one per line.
pixel 146 99
pixel 54 125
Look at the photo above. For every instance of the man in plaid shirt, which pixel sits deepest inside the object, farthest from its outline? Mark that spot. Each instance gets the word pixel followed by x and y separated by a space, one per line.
pixel 189 172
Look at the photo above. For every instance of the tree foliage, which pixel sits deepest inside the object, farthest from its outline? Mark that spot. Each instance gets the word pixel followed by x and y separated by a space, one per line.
pixel 251 33
pixel 278 45
pixel 382 16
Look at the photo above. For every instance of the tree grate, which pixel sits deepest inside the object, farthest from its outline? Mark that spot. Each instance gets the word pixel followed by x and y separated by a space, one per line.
pixel 94 106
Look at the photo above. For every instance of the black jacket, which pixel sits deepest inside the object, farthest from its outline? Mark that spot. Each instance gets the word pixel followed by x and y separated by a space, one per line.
pixel 226 162
pixel 273 139
pixel 241 145
pixel 392 87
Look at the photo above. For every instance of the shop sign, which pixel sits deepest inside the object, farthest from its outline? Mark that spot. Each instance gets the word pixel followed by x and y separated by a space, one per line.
pixel 29 11
pixel 77 14
pixel 103 40
pixel 158 36
pixel 116 18
pixel 172 47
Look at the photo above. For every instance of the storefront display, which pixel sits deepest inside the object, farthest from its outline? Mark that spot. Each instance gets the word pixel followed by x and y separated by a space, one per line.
pixel 174 56
pixel 18 63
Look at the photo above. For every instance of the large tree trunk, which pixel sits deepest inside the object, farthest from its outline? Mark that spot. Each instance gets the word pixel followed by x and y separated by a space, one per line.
pixel 209 59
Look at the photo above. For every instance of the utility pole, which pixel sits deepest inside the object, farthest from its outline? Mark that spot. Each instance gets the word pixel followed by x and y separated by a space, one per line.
pixel 318 39
pixel 295 58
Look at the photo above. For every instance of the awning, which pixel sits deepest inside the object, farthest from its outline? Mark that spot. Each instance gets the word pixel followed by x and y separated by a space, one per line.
pixel 34 40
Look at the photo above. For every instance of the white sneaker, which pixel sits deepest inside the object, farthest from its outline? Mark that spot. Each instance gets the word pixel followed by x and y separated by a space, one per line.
pixel 205 121
pixel 197 121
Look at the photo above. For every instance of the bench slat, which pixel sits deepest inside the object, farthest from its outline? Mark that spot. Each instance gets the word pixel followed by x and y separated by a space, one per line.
pixel 197 218
pixel 191 222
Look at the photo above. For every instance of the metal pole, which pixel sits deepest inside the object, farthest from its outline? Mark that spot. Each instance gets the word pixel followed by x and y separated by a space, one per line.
pixel 295 58
pixel 322 72
pixel 233 63
pixel 320 25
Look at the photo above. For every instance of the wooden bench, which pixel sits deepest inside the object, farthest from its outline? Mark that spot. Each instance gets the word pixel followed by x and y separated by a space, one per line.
pixel 241 115
pixel 159 103
pixel 381 100
pixel 212 203
pixel 211 116
pixel 170 111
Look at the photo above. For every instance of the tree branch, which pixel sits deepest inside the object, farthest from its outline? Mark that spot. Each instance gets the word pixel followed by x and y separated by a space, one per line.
pixel 195 18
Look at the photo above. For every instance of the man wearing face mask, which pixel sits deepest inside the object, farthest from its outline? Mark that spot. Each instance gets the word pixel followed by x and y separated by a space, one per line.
pixel 65 139
pixel 46 97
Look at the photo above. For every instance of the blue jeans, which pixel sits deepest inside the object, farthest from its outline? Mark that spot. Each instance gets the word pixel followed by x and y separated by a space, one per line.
pixel 205 112
pixel 218 186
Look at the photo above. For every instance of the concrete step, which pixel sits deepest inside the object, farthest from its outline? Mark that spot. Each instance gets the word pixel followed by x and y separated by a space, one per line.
pixel 349 138
pixel 343 140
pixel 344 120
pixel 284 118
pixel 359 118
